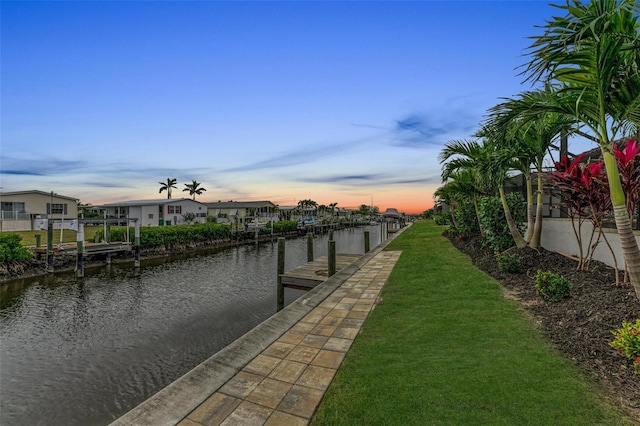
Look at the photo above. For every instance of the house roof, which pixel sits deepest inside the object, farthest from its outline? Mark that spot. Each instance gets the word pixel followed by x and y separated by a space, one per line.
pixel 156 201
pixel 239 204
pixel 391 212
pixel 35 191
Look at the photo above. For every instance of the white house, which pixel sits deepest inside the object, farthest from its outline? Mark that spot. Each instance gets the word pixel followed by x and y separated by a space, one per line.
pixel 242 211
pixel 158 212
pixel 20 209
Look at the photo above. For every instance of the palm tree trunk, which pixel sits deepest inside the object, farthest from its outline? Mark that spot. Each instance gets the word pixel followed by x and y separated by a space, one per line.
pixel 519 240
pixel 530 224
pixel 477 208
pixel 628 243
pixel 534 242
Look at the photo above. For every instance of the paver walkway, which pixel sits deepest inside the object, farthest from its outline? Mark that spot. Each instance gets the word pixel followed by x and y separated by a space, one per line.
pixel 285 383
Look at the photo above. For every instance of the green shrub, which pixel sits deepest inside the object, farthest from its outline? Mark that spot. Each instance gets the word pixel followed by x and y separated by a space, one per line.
pixel 166 235
pixel 552 287
pixel 466 219
pixel 10 248
pixel 509 262
pixel 627 342
pixel 493 220
pixel 442 218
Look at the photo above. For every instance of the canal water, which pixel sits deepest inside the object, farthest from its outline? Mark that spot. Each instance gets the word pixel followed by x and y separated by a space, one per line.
pixel 84 351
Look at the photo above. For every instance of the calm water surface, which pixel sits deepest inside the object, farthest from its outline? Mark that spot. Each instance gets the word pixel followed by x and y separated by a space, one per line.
pixel 84 351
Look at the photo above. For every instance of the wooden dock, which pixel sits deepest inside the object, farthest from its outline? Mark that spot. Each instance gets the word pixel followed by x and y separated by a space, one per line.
pixel 89 248
pixel 311 274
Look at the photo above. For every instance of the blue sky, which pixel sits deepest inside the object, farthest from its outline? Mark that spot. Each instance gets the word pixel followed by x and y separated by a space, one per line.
pixel 333 101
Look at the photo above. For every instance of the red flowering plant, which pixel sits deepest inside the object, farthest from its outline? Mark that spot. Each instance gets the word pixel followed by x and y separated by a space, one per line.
pixel 584 193
pixel 628 159
pixel 627 342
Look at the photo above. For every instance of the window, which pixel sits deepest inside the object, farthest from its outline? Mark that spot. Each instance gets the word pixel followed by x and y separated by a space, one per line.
pixel 56 208
pixel 174 209
pixel 150 215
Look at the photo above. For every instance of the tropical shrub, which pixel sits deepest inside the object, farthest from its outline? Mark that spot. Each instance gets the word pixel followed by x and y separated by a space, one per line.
pixel 493 221
pixel 10 248
pixel 466 219
pixel 627 342
pixel 284 226
pixel 551 286
pixel 584 192
pixel 628 160
pixel 442 218
pixel 509 262
pixel 168 235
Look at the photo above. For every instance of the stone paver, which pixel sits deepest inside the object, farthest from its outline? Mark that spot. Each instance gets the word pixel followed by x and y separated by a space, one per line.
pixel 286 382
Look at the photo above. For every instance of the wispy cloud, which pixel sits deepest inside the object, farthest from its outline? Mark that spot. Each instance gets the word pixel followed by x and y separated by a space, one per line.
pixel 305 155
pixel 38 166
pixel 346 179
pixel 433 128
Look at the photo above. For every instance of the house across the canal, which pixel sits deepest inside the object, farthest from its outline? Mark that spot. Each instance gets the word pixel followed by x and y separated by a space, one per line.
pixel 19 210
pixel 243 211
pixel 159 212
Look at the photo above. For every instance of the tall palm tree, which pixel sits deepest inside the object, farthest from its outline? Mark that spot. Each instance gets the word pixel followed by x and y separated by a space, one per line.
pixel 593 52
pixel 193 189
pixel 532 133
pixel 166 186
pixel 332 206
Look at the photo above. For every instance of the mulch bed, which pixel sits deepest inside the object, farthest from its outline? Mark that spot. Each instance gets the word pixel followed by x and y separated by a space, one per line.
pixel 578 326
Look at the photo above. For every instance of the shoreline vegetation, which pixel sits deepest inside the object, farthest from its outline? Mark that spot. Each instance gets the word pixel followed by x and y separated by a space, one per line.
pixel 455 341
pixel 155 242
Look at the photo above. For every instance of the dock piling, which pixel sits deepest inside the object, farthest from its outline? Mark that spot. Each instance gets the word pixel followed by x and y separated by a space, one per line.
pixel 309 247
pixel 136 247
pixel 331 261
pixel 367 242
pixel 50 247
pixel 280 287
pixel 80 251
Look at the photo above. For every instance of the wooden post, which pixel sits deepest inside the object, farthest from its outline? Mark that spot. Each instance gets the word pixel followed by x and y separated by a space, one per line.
pixel 367 243
pixel 80 250
pixel 309 247
pixel 280 287
pixel 38 237
pixel 50 246
pixel 330 234
pixel 332 258
pixel 136 244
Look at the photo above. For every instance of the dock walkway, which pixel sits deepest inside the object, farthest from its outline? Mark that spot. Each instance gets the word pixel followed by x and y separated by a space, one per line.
pixel 311 274
pixel 277 373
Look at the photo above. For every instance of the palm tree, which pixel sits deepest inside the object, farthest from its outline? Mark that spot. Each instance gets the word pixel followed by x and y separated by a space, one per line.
pixel 532 133
pixel 332 206
pixel 593 52
pixel 487 167
pixel 170 183
pixel 193 189
pixel 461 185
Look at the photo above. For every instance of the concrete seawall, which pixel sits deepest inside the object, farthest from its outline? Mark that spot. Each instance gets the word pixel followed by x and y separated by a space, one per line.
pixel 173 403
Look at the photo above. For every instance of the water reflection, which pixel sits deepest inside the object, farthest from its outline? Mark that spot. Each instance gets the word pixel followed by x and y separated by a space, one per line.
pixel 86 350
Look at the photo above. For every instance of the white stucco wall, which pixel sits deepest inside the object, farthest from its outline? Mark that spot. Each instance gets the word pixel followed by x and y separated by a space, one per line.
pixel 558 235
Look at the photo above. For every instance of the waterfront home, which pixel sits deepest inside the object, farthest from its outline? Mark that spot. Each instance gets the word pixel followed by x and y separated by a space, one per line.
pixel 19 210
pixel 158 212
pixel 243 211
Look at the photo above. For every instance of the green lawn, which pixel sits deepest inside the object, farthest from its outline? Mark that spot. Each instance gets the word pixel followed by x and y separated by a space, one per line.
pixel 445 348
pixel 68 236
